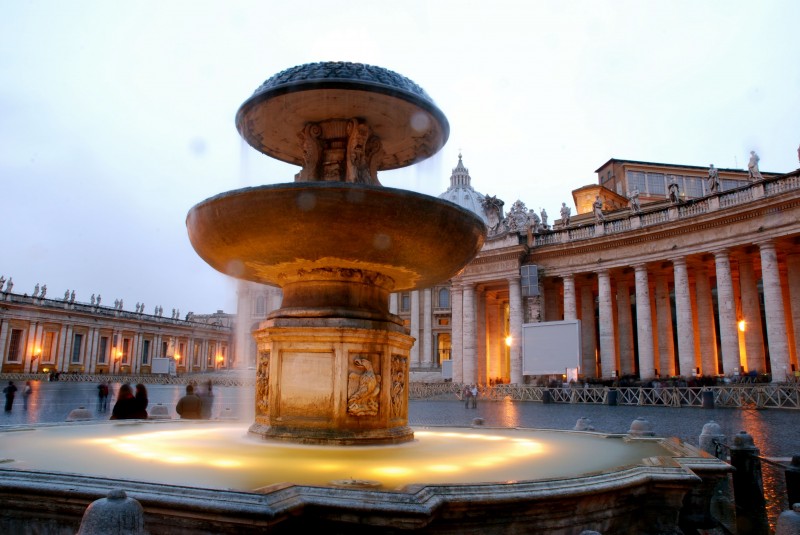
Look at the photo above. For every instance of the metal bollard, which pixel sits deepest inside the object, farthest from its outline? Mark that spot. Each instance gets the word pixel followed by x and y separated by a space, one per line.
pixel 748 487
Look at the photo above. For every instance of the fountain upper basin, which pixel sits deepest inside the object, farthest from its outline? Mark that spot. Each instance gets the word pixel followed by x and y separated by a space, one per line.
pixel 286 233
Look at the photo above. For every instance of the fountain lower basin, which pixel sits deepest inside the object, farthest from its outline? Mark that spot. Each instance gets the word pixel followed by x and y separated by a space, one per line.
pixel 212 474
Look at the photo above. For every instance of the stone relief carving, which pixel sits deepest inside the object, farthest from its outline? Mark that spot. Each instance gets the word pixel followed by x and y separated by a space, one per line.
pixel 357 169
pixel 363 387
pixel 398 385
pixel 311 140
pixel 493 208
pixel 517 218
pixel 262 384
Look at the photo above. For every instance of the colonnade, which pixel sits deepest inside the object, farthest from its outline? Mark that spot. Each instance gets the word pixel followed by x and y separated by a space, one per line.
pixel 715 327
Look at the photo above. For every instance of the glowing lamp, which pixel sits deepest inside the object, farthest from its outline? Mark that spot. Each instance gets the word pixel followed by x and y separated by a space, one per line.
pixel 741 325
pixel 508 340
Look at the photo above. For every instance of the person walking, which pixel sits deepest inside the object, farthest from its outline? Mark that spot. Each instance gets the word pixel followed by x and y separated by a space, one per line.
pixel 466 393
pixel 189 406
pixel 102 397
pixel 26 392
pixel 474 396
pixel 9 392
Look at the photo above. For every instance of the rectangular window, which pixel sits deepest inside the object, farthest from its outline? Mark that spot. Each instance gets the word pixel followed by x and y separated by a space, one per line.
pixel 529 280
pixel 197 354
pixel 444 298
pixel 182 354
pixel 126 351
pixel 694 187
pixel 47 350
pixel 77 342
pixel 210 357
pixel 405 302
pixel 636 179
pixel 15 346
pixel 145 352
pixel 656 184
pixel 164 347
pixel 102 350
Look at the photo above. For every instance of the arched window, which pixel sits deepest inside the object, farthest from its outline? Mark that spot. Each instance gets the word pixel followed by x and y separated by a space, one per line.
pixel 444 298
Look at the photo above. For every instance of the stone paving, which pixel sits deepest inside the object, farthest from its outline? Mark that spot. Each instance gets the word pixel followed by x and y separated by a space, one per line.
pixel 774 431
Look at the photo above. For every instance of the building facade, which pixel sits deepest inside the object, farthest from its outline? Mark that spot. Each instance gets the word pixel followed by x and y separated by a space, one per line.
pixel 700 277
pixel 40 335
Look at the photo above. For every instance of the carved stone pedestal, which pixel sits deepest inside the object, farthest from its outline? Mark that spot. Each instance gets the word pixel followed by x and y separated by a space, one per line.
pixel 323 383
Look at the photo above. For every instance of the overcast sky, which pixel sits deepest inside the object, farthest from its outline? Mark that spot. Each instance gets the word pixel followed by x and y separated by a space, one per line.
pixel 117 117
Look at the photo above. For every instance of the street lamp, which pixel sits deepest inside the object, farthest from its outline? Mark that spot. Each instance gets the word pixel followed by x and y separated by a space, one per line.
pixel 37 353
pixel 220 359
pixel 117 359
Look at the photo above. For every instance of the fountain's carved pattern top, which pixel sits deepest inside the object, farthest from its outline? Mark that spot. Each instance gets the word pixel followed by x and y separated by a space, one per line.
pixel 332 71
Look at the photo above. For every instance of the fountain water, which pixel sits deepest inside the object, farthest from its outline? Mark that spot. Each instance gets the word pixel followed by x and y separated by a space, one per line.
pixel 333 364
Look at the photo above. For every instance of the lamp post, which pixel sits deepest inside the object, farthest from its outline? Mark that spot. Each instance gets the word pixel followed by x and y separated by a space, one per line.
pixel 37 353
pixel 220 361
pixel 117 360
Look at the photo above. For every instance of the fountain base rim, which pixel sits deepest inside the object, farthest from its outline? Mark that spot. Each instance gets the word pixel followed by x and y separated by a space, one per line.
pixel 331 437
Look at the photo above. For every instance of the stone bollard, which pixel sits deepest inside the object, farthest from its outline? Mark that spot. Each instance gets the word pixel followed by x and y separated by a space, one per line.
pixel 792 475
pixel 79 414
pixel 477 421
pixel 159 412
pixel 748 487
pixel 641 428
pixel 115 514
pixel 710 437
pixel 789 521
pixel 722 506
pixel 583 424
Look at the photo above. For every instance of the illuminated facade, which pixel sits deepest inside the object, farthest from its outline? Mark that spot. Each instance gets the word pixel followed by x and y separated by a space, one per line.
pixel 47 335
pixel 708 284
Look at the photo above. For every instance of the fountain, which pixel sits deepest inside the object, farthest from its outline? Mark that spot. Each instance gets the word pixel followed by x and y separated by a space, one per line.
pixel 333 361
pixel 330 447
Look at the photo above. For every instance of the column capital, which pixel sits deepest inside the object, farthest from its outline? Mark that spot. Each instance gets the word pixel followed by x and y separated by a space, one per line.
pixel 641 266
pixel 513 278
pixel 723 251
pixel 768 243
pixel 678 261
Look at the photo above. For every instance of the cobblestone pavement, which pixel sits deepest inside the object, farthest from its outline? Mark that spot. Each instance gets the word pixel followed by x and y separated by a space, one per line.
pixel 776 432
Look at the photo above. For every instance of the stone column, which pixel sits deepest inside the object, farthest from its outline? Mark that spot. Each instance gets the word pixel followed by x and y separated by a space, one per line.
pixel 414 330
pixel 570 306
pixel 482 336
pixel 608 350
pixel 706 323
pixel 588 332
pixel 394 308
pixel 666 344
pixel 469 345
pixel 495 344
pixel 751 314
pixel 625 326
pixel 644 323
pixel 683 312
pixel 515 328
pixel 774 311
pixel 793 275
pixel 457 340
pixel 427 329
pixel 729 339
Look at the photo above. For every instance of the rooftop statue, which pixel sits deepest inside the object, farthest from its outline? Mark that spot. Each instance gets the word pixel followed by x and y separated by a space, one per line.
pixel 752 167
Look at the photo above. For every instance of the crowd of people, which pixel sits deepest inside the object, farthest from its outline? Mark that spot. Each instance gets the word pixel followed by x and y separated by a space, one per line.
pixel 132 402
